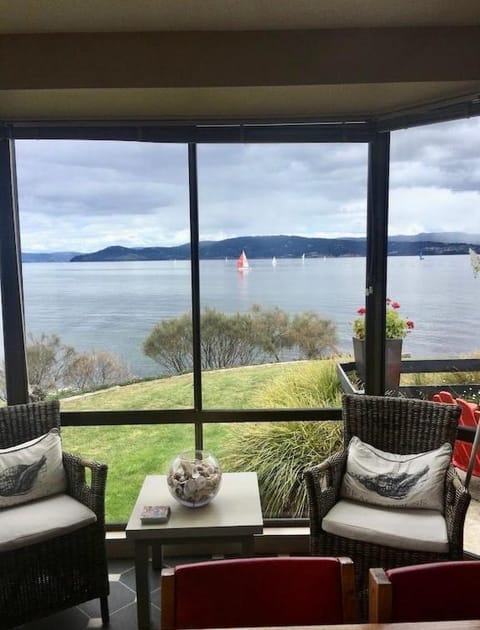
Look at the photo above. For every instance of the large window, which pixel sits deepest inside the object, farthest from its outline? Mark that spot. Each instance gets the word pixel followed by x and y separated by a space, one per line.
pixel 288 279
pixel 235 349
pixel 434 202
pixel 92 216
pixel 435 213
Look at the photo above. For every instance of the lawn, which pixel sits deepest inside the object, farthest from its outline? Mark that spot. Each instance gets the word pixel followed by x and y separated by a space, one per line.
pixel 132 452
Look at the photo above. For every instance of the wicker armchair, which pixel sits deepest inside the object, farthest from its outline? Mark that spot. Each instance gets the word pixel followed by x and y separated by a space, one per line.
pixel 67 569
pixel 396 425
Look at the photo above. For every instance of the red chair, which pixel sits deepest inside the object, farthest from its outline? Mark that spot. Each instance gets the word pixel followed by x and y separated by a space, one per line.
pixel 469 418
pixel 251 592
pixel 425 592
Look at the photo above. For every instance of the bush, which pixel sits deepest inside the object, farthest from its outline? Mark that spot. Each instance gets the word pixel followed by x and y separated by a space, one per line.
pixel 278 452
pixel 239 339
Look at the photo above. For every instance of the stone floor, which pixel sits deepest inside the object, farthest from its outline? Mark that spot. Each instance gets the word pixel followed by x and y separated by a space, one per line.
pixel 122 604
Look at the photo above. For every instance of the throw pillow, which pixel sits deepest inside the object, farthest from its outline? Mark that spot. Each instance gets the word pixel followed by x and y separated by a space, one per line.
pixel 32 470
pixel 415 480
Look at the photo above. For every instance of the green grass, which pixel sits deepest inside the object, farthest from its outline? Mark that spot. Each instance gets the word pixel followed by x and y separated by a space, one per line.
pixel 133 451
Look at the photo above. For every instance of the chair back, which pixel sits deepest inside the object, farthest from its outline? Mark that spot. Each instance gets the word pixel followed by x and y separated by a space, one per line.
pixel 251 592
pixel 21 423
pixel 426 592
pixel 399 425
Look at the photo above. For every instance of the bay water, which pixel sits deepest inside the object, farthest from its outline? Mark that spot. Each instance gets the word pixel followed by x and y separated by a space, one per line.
pixel 114 305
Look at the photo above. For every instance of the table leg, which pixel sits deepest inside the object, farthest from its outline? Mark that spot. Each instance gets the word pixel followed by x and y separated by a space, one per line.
pixel 248 546
pixel 142 584
pixel 157 556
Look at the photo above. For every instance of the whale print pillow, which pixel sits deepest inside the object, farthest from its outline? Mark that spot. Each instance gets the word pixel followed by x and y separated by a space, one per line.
pixel 32 470
pixel 388 479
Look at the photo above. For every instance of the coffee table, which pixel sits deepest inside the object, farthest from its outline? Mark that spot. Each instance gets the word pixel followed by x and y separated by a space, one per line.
pixel 235 514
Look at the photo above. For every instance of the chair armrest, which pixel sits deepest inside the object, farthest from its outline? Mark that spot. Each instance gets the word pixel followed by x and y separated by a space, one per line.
pixel 93 495
pixel 323 487
pixel 457 500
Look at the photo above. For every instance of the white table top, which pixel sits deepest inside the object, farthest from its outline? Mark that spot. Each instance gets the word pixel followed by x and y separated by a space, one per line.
pixel 235 511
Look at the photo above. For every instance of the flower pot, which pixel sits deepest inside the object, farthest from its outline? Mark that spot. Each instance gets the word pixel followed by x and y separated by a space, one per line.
pixel 393 360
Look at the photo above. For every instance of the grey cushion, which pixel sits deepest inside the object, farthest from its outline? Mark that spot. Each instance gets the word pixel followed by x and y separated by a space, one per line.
pixel 414 480
pixel 419 530
pixel 32 470
pixel 33 522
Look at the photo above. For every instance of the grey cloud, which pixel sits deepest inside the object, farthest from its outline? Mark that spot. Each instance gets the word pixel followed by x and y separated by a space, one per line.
pixel 90 194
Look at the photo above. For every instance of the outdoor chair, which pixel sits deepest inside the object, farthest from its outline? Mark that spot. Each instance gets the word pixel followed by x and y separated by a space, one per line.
pixel 383 518
pixel 427 592
pixel 252 592
pixel 52 532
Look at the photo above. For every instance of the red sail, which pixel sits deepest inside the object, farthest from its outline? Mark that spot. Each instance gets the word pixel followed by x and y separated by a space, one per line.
pixel 242 262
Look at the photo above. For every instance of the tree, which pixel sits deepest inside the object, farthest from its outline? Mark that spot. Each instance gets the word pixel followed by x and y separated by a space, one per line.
pixel 170 344
pixel 47 360
pixel 227 340
pixel 238 339
pixel 94 369
pixel 272 328
pixel 53 366
pixel 313 335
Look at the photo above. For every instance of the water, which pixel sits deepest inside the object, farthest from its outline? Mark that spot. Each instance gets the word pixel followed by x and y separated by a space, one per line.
pixel 114 306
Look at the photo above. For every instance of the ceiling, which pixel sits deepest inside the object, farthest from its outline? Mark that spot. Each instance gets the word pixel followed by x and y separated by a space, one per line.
pixel 234 60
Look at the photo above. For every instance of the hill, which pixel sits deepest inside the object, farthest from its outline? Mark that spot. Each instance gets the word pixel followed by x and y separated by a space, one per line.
pixel 280 246
pixel 48 257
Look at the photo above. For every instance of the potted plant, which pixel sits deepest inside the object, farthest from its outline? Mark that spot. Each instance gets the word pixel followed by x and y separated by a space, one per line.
pixel 397 328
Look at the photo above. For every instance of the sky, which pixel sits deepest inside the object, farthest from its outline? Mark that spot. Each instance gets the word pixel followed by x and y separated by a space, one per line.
pixel 83 196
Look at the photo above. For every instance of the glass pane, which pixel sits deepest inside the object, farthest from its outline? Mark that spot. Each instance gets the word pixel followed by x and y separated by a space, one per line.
pixel 277 452
pixel 282 270
pixel 131 452
pixel 434 222
pixel 105 249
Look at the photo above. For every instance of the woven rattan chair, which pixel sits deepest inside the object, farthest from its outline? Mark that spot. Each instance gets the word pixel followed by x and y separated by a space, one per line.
pixel 395 425
pixel 39 579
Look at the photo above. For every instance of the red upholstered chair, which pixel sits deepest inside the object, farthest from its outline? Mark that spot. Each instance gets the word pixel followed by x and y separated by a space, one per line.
pixel 251 592
pixel 425 592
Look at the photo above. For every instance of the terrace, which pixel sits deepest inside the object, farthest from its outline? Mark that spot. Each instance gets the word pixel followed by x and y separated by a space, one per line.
pixel 212 75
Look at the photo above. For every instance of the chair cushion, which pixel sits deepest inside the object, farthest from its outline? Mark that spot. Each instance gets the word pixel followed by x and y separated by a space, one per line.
pixel 416 530
pixel 415 480
pixel 32 470
pixel 41 520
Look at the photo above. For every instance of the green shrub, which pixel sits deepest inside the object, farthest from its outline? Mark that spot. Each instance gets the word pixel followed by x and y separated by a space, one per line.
pixel 278 452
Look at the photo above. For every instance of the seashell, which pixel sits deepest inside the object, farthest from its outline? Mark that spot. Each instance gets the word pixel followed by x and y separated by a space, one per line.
pixel 19 479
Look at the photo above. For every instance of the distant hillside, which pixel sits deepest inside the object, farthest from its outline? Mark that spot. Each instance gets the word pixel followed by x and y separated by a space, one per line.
pixel 279 246
pixel 48 257
pixel 441 237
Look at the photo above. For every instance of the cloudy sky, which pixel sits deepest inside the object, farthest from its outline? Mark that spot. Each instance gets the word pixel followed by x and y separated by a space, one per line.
pixel 83 196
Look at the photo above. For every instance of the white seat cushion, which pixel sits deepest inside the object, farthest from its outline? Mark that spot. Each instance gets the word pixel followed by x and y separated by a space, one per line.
pixel 30 523
pixel 417 530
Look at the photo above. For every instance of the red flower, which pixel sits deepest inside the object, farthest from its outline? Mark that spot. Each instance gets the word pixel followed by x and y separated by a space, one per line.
pixel 362 311
pixel 410 324
pixel 395 305
pixel 388 300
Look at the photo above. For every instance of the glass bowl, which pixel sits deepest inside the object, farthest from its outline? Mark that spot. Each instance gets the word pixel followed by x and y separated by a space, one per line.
pixel 194 478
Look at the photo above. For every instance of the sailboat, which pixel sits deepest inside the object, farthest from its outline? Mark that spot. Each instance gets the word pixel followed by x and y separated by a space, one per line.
pixel 303 259
pixel 274 262
pixel 242 262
